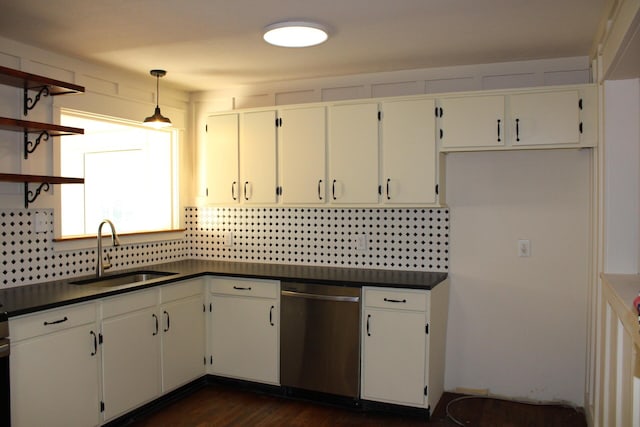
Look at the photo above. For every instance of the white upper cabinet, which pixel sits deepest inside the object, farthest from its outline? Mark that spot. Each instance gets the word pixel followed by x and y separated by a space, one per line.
pixel 385 151
pixel 408 151
pixel 514 120
pixel 472 121
pixel 258 157
pixel 222 159
pixel 302 141
pixel 545 118
pixel 353 153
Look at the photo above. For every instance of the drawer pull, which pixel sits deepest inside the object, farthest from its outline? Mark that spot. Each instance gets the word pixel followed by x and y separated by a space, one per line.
pixel 403 301
pixel 55 322
pixel 240 288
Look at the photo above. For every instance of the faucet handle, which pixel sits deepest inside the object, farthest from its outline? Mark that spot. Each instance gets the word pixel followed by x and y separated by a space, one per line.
pixel 107 264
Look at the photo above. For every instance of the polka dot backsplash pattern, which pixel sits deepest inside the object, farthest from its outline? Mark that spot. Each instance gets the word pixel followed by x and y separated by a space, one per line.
pixel 29 257
pixel 396 239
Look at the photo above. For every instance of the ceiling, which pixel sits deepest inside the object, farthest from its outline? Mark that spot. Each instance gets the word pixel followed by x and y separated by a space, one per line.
pixel 214 44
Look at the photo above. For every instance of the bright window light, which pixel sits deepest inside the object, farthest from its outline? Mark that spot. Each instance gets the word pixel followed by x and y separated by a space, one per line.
pixel 129 176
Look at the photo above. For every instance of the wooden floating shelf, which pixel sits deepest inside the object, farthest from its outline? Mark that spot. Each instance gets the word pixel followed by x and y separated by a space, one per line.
pixel 10 177
pixel 44 182
pixel 24 80
pixel 32 127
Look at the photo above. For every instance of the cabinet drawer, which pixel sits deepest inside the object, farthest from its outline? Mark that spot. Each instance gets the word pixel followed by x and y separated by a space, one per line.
pixel 246 287
pixel 398 299
pixel 33 325
pixel 129 302
pixel 181 290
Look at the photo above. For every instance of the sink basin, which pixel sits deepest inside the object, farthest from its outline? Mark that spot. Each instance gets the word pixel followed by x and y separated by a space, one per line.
pixel 122 279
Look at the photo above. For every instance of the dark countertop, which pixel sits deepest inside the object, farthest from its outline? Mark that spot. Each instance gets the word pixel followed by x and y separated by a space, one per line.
pixel 31 298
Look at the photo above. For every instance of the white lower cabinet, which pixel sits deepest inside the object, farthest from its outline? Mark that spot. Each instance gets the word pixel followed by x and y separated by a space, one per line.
pixel 403 339
pixel 55 369
pixel 130 352
pixel 244 329
pixel 152 343
pixel 183 339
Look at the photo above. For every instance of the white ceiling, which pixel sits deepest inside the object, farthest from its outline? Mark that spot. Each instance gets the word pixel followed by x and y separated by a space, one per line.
pixel 213 44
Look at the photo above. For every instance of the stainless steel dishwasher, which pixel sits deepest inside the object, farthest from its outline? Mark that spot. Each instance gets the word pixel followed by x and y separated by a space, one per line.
pixel 320 338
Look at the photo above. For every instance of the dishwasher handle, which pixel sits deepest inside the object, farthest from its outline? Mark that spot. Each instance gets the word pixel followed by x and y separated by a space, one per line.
pixel 319 296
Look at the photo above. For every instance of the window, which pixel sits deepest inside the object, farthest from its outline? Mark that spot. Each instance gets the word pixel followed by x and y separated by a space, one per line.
pixel 129 173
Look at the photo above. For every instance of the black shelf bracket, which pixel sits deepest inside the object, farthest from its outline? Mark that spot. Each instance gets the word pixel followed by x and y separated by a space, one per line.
pixel 30 147
pixel 31 196
pixel 30 103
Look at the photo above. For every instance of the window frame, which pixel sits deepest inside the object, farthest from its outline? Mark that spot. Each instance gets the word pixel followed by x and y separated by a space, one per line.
pixel 72 242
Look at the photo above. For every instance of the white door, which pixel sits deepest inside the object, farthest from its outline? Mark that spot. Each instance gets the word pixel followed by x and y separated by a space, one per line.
pixel 258 157
pixel 244 338
pixel 222 159
pixel 183 349
pixel 302 155
pixel 54 379
pixel 545 118
pixel 353 153
pixel 472 121
pixel 393 353
pixel 130 361
pixel 408 152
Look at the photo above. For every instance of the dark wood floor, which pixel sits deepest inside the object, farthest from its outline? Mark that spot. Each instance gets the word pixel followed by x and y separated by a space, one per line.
pixel 224 405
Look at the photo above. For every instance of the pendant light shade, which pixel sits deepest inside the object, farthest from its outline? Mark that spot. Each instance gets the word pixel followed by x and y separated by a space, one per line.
pixel 157 120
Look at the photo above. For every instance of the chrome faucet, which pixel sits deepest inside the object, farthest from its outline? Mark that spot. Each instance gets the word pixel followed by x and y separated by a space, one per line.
pixel 100 267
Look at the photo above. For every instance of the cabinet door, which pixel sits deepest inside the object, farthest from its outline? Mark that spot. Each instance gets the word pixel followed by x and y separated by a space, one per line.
pixel 473 121
pixel 182 342
pixel 408 152
pixel 244 338
pixel 130 361
pixel 303 150
pixel 258 157
pixel 54 379
pixel 545 118
pixel 222 159
pixel 393 356
pixel 353 153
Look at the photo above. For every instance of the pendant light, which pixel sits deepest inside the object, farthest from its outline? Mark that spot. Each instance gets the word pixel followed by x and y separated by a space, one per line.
pixel 157 120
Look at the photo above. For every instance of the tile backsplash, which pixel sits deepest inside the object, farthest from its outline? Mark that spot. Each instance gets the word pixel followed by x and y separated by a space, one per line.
pixel 396 239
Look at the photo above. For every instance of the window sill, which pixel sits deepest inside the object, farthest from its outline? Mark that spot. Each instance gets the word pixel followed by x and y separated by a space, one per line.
pixel 68 243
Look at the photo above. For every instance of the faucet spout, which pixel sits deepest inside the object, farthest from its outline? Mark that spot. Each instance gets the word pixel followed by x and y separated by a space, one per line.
pixel 115 241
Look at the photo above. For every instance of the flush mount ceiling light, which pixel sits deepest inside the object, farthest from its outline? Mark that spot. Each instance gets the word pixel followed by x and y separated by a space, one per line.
pixel 295 34
pixel 157 120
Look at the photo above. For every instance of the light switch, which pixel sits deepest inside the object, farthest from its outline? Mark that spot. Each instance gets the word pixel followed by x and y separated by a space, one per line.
pixel 524 248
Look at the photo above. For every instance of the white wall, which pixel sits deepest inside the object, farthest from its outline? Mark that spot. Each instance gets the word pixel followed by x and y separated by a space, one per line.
pixel 622 176
pixel 517 326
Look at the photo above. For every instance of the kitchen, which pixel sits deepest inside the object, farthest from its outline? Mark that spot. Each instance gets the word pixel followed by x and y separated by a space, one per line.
pixel 493 200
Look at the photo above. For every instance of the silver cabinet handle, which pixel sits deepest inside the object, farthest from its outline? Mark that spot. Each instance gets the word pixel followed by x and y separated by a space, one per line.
pixel 233 190
pixel 245 190
pixel 319 185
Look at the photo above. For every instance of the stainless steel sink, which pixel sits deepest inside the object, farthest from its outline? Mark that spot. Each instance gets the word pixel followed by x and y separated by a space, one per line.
pixel 122 279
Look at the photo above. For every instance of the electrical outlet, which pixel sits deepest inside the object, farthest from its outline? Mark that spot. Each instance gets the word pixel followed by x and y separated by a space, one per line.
pixel 40 222
pixel 227 237
pixel 524 248
pixel 361 242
